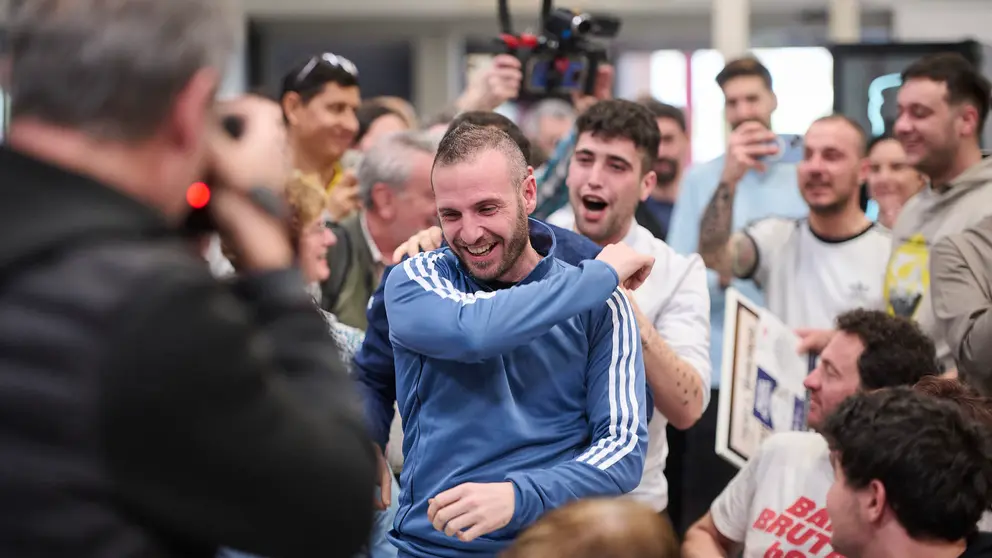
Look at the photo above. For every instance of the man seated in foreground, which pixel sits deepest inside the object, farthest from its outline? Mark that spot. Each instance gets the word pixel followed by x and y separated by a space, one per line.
pixel 913 474
pixel 776 503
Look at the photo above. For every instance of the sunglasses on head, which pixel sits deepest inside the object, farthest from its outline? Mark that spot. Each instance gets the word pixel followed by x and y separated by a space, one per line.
pixel 330 59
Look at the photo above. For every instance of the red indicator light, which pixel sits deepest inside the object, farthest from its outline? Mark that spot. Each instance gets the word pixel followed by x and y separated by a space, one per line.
pixel 198 195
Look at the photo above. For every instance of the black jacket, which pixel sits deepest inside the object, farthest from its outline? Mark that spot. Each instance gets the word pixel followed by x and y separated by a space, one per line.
pixel 147 410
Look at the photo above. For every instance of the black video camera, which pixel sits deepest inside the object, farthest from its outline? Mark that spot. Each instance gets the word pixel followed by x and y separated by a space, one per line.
pixel 563 58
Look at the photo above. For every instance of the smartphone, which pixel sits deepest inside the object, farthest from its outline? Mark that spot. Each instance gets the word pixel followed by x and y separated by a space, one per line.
pixel 790 149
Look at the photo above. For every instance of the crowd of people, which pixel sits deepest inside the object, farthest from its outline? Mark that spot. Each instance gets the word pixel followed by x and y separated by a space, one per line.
pixel 398 336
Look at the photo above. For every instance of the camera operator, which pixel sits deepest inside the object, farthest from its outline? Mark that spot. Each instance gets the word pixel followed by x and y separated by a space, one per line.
pixel 145 409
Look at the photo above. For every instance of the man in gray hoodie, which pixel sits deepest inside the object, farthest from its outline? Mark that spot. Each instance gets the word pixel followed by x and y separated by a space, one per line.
pixel 961 272
pixel 943 105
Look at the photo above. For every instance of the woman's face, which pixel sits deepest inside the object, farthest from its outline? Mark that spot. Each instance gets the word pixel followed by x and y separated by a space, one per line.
pixel 891 179
pixel 315 239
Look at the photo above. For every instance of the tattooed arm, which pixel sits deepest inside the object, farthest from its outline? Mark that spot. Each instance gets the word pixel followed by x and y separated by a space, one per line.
pixel 675 384
pixel 729 254
pixel 676 346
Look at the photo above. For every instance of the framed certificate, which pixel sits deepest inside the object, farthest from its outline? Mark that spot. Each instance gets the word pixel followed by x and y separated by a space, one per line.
pixel 762 378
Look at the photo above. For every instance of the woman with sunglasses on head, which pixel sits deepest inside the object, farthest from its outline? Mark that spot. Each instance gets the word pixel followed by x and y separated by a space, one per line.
pixel 311 238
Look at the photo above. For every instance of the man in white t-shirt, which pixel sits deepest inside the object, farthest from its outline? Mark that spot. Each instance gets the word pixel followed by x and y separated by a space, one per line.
pixel 609 175
pixel 810 269
pixel 776 505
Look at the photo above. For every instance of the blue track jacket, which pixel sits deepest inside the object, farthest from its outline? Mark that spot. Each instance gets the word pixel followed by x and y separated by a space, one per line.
pixel 374 370
pixel 540 384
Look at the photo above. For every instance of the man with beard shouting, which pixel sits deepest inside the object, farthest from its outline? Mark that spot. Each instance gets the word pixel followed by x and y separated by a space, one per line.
pixel 811 269
pixel 519 377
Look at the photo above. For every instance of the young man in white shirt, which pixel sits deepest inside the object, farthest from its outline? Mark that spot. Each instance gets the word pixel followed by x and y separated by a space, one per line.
pixel 912 476
pixel 814 268
pixel 775 506
pixel 610 173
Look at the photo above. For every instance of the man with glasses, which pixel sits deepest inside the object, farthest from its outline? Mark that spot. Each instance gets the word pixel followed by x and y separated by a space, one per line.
pixel 319 98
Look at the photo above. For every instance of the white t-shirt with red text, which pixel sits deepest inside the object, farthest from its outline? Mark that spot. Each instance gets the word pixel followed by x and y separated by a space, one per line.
pixel 776 505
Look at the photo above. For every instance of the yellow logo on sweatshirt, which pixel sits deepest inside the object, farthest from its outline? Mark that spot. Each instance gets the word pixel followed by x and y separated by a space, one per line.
pixel 907 278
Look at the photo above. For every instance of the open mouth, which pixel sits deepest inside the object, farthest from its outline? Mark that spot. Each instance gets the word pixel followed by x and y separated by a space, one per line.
pixel 480 251
pixel 594 203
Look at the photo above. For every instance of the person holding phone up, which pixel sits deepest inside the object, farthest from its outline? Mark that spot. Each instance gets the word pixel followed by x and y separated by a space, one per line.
pixel 147 409
pixel 812 269
pixel 760 191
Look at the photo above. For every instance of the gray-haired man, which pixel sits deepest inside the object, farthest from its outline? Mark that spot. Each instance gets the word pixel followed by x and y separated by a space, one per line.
pixel 394 181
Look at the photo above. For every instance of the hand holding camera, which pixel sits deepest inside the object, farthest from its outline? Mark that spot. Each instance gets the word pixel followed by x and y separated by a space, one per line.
pixel 493 86
pixel 248 170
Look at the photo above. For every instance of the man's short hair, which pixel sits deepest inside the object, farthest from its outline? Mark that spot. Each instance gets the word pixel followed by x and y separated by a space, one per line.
pixel 934 461
pixel 965 84
pixel 308 77
pixel 113 69
pixel 617 118
pixel 598 528
pixel 854 124
pixel 496 120
pixel 466 142
pixel 664 110
pixel 388 161
pixel 747 66
pixel 897 352
pixel 975 405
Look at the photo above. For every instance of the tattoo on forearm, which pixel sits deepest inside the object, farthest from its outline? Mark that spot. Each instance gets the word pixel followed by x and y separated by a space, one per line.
pixel 683 379
pixel 714 230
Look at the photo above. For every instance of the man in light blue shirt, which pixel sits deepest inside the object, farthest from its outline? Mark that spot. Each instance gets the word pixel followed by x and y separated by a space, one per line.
pixel 765 180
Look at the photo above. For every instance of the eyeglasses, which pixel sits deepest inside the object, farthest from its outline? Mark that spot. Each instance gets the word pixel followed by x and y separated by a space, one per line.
pixel 327 58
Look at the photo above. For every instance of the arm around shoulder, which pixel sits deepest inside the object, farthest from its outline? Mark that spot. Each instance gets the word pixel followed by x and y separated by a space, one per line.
pixel 430 315
pixel 208 432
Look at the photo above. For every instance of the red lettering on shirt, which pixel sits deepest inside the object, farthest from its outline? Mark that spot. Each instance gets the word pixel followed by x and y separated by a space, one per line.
pixel 781 525
pixel 764 517
pixel 775 552
pixel 822 541
pixel 802 507
pixel 799 534
pixel 803 529
pixel 821 519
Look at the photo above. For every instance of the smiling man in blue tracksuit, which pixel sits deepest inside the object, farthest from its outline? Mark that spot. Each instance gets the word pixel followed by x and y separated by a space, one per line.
pixel 519 377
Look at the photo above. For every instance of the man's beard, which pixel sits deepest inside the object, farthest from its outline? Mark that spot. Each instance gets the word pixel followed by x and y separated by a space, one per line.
pixel 667 170
pixel 513 247
pixel 938 161
pixel 829 209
